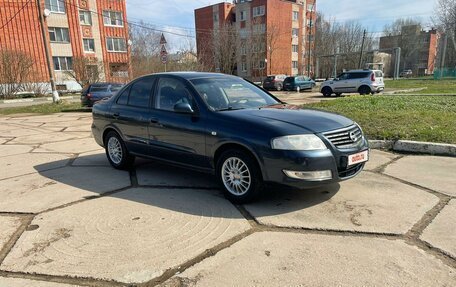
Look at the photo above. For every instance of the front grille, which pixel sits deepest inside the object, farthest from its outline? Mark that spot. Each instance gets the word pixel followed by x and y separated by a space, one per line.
pixel 350 171
pixel 345 138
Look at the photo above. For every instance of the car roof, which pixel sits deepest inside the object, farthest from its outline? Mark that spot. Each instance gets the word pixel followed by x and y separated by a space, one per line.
pixel 193 75
pixel 104 84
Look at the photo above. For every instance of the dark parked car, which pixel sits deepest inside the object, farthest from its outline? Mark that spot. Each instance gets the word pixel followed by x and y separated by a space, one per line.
pixel 274 82
pixel 298 83
pixel 97 92
pixel 229 127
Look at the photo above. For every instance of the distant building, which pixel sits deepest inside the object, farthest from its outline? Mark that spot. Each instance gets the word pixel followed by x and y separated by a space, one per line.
pixel 96 29
pixel 287 28
pixel 418 48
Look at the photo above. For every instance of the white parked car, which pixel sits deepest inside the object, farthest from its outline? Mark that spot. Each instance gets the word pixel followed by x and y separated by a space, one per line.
pixel 355 81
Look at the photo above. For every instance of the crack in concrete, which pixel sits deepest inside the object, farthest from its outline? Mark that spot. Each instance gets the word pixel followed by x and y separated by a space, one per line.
pixel 25 222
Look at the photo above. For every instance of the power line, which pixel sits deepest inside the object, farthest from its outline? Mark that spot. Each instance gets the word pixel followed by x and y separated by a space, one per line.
pixel 14 16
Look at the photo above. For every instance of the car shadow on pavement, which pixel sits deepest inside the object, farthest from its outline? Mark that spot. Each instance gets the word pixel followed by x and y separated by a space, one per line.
pixel 173 188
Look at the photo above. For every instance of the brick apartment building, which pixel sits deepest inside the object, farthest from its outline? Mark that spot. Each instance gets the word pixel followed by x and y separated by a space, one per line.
pixel 287 27
pixel 418 48
pixel 76 28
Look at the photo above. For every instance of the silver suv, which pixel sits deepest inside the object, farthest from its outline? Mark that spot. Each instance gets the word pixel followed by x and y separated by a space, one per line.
pixel 355 81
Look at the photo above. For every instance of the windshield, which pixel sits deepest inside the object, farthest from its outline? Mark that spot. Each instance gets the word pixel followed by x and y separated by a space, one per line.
pixel 231 94
pixel 99 89
pixel 116 88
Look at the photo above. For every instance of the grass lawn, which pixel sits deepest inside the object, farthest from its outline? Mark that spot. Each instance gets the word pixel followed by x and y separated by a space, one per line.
pixel 47 108
pixel 433 86
pixel 419 118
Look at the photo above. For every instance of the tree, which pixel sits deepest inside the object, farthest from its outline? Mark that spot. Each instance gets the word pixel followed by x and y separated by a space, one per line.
pixel 145 49
pixel 224 43
pixel 395 28
pixel 15 70
pixel 86 71
pixel 273 33
pixel 445 18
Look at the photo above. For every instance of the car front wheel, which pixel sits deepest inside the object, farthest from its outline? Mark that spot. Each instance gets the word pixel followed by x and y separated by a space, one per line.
pixel 116 152
pixel 326 91
pixel 240 176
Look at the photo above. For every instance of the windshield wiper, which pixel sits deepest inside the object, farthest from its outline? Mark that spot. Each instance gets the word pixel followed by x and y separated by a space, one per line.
pixel 230 109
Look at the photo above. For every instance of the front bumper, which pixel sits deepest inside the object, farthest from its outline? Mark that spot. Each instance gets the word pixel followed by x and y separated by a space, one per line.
pixel 333 160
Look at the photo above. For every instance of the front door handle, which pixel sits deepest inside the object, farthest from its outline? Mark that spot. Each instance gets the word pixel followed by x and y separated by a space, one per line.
pixel 116 115
pixel 153 121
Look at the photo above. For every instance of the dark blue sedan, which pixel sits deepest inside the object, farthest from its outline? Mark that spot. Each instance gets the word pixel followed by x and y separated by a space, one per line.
pixel 229 127
pixel 97 92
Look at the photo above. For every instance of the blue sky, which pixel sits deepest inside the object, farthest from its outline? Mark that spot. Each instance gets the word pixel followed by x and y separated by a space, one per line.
pixel 177 15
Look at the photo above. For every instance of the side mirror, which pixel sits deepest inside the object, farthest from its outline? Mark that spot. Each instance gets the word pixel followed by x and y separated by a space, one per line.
pixel 183 108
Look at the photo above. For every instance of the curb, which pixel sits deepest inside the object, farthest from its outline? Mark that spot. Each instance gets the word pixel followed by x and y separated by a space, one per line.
pixel 415 147
pixel 43 99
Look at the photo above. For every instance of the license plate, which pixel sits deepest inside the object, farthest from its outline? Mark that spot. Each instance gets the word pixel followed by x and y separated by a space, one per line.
pixel 358 158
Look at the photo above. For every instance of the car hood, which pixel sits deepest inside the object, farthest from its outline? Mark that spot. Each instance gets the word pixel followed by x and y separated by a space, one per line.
pixel 292 118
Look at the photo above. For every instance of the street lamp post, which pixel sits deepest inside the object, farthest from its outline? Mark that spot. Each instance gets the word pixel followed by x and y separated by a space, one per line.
pixel 42 15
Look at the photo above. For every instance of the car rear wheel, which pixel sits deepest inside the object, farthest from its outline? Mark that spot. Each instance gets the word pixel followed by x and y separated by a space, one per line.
pixel 239 176
pixel 116 152
pixel 279 87
pixel 364 90
pixel 326 91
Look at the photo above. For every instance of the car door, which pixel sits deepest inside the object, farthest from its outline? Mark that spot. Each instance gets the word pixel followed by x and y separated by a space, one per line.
pixel 340 85
pixel 177 137
pixel 132 113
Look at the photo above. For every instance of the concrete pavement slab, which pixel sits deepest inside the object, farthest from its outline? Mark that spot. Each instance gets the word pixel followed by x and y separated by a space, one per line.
pixel 19 282
pixel 378 158
pixel 17 131
pixel 369 203
pixel 434 172
pixel 21 164
pixel 131 236
pixel 70 146
pixel 94 158
pixel 49 137
pixel 288 259
pixel 441 233
pixel 152 173
pixel 6 150
pixel 41 191
pixel 8 225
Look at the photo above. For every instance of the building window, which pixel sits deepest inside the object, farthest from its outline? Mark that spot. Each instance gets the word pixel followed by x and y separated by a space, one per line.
pixel 295 64
pixel 89 45
pixel 216 17
pixel 295 32
pixel 119 70
pixel 259 28
pixel 243 49
pixel 244 66
pixel 85 18
pixel 295 48
pixel 62 63
pixel 113 18
pixel 258 11
pixel 116 44
pixel 295 15
pixel 56 6
pixel 310 7
pixel 59 35
pixel 243 15
pixel 262 64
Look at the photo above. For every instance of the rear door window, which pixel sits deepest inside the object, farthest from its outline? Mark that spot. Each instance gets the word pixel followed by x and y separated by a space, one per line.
pixel 123 98
pixel 140 92
pixel 378 74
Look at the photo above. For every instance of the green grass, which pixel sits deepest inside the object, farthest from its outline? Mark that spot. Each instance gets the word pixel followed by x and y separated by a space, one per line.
pixel 419 118
pixel 432 86
pixel 47 108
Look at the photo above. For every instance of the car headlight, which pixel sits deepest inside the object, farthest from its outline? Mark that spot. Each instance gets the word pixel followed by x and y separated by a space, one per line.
pixel 298 142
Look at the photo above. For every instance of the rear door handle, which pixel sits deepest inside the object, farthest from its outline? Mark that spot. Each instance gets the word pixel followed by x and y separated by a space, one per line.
pixel 116 115
pixel 153 121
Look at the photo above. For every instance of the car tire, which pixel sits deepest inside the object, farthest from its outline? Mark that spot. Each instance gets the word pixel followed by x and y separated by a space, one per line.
pixel 326 91
pixel 116 151
pixel 239 176
pixel 364 90
pixel 279 87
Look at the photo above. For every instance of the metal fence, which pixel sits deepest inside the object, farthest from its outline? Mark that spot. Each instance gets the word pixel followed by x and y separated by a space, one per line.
pixel 444 73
